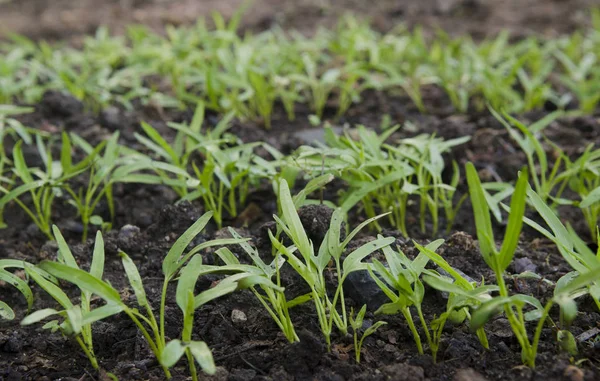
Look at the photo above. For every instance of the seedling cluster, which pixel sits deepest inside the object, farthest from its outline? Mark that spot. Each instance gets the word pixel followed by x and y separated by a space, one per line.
pixel 385 179
pixel 248 75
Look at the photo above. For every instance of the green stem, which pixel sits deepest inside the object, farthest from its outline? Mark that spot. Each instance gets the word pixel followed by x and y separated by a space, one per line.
pixel 88 352
pixel 413 329
pixel 163 302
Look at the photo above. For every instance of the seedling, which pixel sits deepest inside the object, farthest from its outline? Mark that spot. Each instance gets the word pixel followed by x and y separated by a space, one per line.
pixel 78 319
pixel 42 186
pixel 144 319
pixel 6 312
pixel 499 261
pixel 401 283
pixel 357 323
pixel 462 295
pixel 272 299
pixel 311 265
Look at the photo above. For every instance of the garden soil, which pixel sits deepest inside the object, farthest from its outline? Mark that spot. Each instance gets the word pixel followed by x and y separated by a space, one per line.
pixel 148 221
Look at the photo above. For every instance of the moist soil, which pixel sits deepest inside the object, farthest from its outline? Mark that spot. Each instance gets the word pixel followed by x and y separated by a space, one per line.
pixel 148 221
pixel 72 20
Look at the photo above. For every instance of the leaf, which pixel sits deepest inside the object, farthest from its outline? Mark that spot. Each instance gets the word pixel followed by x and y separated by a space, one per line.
pixel 353 260
pixel 292 220
pixel 486 311
pixel 223 288
pixel 187 281
pixel 591 198
pixel 358 194
pixel 97 266
pixel 38 316
pixel 19 284
pixel 135 280
pixel 101 313
pixel 20 166
pixel 83 280
pixel 203 356
pixel 299 300
pixel 6 312
pixel 171 262
pixel 369 331
pixel 64 252
pixel 172 353
pixel 515 221
pixel 65 153
pixel 55 292
pixel 567 342
pixel 483 224
pixel 16 192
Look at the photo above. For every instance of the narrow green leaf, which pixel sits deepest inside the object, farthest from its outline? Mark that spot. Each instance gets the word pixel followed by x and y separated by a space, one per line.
pixel 38 316
pixel 6 312
pixel 64 252
pixel 483 224
pixel 172 353
pixel 515 221
pixel 187 281
pixel 203 356
pixel 135 280
pixel 83 280
pixel 171 263
pixel 353 260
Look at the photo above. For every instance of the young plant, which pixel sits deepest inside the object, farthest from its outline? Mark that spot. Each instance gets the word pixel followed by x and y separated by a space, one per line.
pixel 356 322
pixel 401 283
pixel 311 266
pixel 6 312
pixel 190 141
pixel 272 299
pixel 144 317
pixel 545 177
pixel 244 277
pixel 573 249
pixel 42 186
pixel 77 319
pixel 462 295
pixel 499 260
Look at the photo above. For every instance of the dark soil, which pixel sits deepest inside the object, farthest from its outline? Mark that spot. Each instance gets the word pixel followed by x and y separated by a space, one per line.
pixel 148 221
pixel 65 19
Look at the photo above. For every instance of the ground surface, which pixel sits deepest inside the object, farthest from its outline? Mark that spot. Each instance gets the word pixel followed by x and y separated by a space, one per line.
pixel 254 350
pixel 65 19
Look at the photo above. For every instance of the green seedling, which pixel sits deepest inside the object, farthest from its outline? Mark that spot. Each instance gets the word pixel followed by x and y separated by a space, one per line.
pixel 189 141
pixel 117 164
pixel 227 175
pixel 144 317
pixel 401 283
pixel 77 319
pixel 311 265
pixel 584 179
pixel 573 249
pixel 463 295
pixel 6 312
pixel 42 186
pixel 499 261
pixel 272 299
pixel 198 351
pixel 548 177
pixel 356 322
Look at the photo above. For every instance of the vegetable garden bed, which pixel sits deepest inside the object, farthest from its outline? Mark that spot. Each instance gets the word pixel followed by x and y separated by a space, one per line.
pixel 168 221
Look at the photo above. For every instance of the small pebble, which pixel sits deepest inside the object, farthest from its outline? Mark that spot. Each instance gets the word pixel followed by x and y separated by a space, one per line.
pixel 468 374
pixel 573 373
pixel 128 231
pixel 520 265
pixel 238 316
